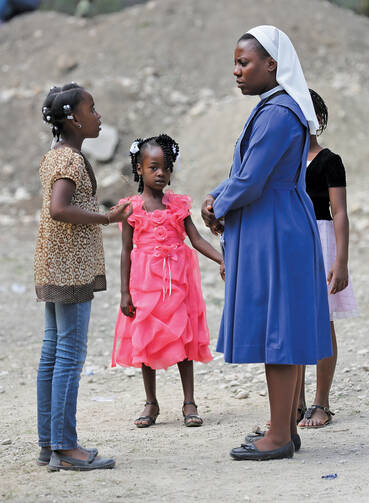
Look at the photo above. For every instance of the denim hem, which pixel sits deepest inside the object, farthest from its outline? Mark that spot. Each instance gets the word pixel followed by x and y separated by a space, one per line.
pixel 61 447
pixel 43 443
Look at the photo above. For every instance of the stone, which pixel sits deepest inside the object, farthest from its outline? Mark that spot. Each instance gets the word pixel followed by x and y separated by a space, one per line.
pixel 103 147
pixel 241 395
pixel 198 109
pixel 66 64
pixel 176 97
pixel 7 441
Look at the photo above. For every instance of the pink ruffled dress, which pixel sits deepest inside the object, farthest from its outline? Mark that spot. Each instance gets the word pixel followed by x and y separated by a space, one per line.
pixel 170 321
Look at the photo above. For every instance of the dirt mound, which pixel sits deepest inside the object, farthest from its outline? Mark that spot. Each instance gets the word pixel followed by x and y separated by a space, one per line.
pixel 167 66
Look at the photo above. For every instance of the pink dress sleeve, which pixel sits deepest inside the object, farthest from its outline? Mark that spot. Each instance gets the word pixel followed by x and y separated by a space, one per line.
pixel 137 211
pixel 179 204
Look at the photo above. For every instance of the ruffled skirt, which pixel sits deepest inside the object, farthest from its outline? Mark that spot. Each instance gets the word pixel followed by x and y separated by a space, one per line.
pixel 342 304
pixel 170 321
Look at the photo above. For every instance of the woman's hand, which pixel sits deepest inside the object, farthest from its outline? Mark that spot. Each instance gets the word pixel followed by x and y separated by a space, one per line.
pixel 119 212
pixel 337 278
pixel 216 226
pixel 222 270
pixel 207 211
pixel 126 305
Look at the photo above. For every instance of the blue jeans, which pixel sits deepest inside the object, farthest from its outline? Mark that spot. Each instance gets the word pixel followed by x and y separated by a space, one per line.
pixel 63 354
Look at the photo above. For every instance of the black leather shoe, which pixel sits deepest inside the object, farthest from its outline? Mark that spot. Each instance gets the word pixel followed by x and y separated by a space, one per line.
pixel 252 437
pixel 252 453
pixel 60 462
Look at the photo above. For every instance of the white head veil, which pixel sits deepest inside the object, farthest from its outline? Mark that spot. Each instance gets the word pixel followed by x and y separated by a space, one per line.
pixel 289 72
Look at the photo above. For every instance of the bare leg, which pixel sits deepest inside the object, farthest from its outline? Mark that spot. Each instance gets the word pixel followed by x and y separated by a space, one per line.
pixel 296 399
pixel 186 372
pixel 282 387
pixel 302 399
pixel 149 379
pixel 324 377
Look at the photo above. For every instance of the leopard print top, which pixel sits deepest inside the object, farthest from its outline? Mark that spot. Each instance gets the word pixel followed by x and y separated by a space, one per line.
pixel 69 258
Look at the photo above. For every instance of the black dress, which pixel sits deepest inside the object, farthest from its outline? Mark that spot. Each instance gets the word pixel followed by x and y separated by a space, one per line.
pixel 324 171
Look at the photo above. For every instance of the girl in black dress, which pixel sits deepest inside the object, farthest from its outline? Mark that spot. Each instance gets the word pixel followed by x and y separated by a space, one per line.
pixel 326 186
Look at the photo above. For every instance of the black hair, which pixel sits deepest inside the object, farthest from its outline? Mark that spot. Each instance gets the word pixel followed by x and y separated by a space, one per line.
pixel 321 111
pixel 169 147
pixel 260 49
pixel 60 103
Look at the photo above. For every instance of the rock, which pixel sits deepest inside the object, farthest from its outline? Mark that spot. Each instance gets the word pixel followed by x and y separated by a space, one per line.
pixel 363 351
pixel 242 395
pixel 103 147
pixel 21 194
pixel 176 97
pixel 66 64
pixel 263 393
pixel 130 372
pixel 198 109
pixel 7 441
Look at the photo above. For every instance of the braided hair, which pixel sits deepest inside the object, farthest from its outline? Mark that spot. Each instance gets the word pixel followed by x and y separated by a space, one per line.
pixel 260 49
pixel 321 111
pixel 169 147
pixel 59 104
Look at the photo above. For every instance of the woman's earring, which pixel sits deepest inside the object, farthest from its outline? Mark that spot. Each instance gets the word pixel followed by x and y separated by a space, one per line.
pixel 79 125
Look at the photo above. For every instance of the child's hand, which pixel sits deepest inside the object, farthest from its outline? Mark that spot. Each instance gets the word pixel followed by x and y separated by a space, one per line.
pixel 337 278
pixel 120 212
pixel 217 228
pixel 222 270
pixel 126 305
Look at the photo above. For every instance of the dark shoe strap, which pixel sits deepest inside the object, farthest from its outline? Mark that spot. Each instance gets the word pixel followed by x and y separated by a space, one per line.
pixel 313 408
pixel 152 402
pixel 189 403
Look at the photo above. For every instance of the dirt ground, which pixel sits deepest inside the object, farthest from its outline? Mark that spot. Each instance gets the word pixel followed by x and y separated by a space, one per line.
pixel 185 87
pixel 168 462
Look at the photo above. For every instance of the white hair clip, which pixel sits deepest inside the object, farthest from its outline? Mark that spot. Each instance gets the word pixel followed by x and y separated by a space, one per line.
pixel 134 148
pixel 67 109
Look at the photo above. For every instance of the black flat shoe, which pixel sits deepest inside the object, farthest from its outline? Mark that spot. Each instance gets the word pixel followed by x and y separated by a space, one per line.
pixel 251 437
pixel 45 454
pixel 60 462
pixel 252 453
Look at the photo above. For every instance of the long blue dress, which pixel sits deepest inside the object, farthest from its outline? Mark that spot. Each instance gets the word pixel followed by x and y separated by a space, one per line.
pixel 276 303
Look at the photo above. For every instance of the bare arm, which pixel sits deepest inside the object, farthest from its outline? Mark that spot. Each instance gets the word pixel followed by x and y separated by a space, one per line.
pixel 62 209
pixel 200 244
pixel 126 303
pixel 338 275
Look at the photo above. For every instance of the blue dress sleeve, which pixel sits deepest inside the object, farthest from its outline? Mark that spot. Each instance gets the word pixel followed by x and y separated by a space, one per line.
pixel 215 193
pixel 273 131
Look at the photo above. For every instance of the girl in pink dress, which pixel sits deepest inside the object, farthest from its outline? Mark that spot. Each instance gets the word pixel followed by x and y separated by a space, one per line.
pixel 162 317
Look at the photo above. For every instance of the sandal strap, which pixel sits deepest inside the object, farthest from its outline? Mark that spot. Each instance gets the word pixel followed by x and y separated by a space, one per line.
pixel 192 416
pixel 151 402
pixel 189 403
pixel 188 417
pixel 310 411
pixel 145 418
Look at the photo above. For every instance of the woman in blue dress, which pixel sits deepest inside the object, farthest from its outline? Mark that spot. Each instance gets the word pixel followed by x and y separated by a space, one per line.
pixel 276 306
